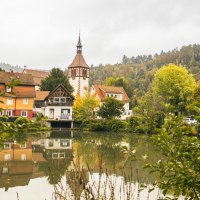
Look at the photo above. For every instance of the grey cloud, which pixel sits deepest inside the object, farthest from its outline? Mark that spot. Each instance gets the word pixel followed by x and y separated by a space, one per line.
pixel 43 33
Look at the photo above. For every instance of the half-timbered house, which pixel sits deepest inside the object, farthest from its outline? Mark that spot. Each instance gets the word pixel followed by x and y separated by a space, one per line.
pixel 58 104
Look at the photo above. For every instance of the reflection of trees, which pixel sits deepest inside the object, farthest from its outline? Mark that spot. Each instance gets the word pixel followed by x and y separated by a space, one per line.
pixel 98 150
pixel 135 169
pixel 54 169
pixel 105 151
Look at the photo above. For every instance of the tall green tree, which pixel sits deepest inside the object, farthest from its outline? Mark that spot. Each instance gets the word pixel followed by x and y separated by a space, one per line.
pixel 148 114
pixel 111 108
pixel 175 85
pixel 56 77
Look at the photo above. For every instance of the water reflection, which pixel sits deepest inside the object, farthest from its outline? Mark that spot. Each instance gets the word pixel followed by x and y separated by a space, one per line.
pixel 73 158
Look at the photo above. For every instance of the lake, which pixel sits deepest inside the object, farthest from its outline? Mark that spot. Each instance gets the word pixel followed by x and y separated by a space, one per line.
pixel 72 165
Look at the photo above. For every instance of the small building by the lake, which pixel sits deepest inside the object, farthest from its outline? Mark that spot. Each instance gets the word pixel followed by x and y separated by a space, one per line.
pixel 55 105
pixel 102 92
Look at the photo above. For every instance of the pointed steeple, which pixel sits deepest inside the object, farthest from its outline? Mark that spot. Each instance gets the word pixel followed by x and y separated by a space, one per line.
pixel 79 45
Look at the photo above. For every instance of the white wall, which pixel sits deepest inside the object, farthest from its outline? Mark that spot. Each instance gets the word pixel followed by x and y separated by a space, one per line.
pixel 57 111
pixel 84 83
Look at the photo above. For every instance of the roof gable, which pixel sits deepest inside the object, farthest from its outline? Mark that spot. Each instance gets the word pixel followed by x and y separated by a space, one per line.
pixel 60 91
pixel 102 90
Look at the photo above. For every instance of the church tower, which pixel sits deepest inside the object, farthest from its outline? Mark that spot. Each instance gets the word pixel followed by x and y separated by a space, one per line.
pixel 79 72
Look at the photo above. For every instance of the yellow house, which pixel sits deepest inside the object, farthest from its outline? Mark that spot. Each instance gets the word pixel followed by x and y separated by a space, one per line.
pixel 18 100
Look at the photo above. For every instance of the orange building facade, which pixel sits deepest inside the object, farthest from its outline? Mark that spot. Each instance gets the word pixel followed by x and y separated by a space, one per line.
pixel 18 100
pixel 13 151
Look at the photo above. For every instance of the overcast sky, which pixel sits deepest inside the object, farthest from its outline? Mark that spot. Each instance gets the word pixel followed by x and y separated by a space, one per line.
pixel 44 33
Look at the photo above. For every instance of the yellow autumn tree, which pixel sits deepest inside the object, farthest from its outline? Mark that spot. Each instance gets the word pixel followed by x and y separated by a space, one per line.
pixel 175 85
pixel 84 107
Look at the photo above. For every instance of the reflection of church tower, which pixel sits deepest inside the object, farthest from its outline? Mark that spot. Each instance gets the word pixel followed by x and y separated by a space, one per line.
pixel 77 180
pixel 78 72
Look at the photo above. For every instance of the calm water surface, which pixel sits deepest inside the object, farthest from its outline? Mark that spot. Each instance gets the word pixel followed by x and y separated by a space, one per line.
pixel 67 165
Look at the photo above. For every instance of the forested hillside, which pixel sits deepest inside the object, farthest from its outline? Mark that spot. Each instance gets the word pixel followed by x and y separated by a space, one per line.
pixel 8 67
pixel 136 73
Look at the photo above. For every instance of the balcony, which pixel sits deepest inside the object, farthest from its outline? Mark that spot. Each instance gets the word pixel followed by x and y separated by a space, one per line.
pixel 65 117
pixel 59 104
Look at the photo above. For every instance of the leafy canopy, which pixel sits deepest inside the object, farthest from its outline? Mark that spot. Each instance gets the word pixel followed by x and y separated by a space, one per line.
pixel 175 85
pixel 119 82
pixel 111 108
pixel 180 169
pixel 56 77
pixel 84 107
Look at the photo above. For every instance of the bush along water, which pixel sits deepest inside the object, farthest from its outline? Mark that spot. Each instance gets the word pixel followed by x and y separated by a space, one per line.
pixel 20 126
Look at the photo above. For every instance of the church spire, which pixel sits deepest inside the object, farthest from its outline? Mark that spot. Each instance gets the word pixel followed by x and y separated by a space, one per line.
pixel 79 45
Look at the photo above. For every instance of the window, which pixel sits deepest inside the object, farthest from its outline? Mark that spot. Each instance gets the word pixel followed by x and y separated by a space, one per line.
pixel 25 101
pixel 62 99
pixel 23 157
pixel 9 113
pixel 8 89
pixel 73 73
pixel 58 155
pixel 65 111
pixel 23 146
pixel 56 99
pixel 84 73
pixel 64 143
pixel 54 155
pixel 61 155
pixel 7 145
pixel 5 170
pixel 50 143
pixel 9 101
pixel 24 113
pixel 6 156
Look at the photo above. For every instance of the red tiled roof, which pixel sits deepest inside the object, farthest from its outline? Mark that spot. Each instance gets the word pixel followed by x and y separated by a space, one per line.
pixel 101 91
pixel 79 61
pixel 41 95
pixel 25 79
pixel 38 75
pixel 23 91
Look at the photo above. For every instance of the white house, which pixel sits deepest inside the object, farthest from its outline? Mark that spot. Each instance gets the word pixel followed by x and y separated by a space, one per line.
pixel 57 105
pixel 103 91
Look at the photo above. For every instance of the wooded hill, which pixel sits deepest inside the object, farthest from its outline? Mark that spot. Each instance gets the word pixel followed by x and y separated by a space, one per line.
pixel 136 73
